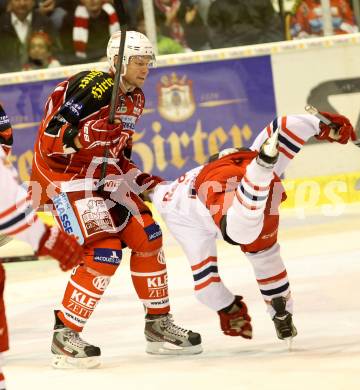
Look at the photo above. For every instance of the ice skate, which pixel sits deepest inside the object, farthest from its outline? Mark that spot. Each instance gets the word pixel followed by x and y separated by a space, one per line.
pixel 284 326
pixel 235 320
pixel 165 338
pixel 269 153
pixel 69 350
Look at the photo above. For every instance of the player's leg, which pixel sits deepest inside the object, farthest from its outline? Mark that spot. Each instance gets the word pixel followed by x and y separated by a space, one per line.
pixel 274 285
pixel 244 219
pixel 199 246
pixel 294 131
pixel 149 275
pixel 85 288
pixel 16 212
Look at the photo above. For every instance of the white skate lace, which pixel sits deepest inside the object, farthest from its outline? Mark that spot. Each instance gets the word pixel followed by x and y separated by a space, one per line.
pixel 168 323
pixel 74 339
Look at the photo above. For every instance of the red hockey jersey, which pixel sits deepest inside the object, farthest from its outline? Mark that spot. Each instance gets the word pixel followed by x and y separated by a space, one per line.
pixel 85 96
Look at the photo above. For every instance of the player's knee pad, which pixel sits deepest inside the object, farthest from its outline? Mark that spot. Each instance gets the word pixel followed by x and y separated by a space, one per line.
pixel 89 281
pixel 103 256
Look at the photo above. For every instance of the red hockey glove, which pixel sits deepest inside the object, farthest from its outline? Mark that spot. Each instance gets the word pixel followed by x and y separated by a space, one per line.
pixel 146 178
pixel 60 246
pixel 99 132
pixel 235 320
pixel 152 181
pixel 343 134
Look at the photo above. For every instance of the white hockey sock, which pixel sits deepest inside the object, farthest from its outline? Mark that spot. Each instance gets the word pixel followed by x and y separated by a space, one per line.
pixel 271 276
pixel 209 288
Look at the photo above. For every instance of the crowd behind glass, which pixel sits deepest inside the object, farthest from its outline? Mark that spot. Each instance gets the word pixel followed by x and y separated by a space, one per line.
pixel 36 34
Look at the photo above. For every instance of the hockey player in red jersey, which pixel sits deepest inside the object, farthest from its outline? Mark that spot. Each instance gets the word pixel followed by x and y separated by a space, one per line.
pixel 73 135
pixel 18 220
pixel 236 197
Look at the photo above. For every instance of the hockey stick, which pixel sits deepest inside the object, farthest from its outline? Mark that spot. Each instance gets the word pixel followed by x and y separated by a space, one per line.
pixel 114 95
pixel 314 111
pixel 18 259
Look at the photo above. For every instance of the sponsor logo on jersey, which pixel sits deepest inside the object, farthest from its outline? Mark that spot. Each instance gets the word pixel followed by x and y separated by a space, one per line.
pixel 153 231
pixel 4 122
pixel 94 216
pixel 85 81
pixel 128 122
pixel 74 108
pixel 67 216
pixel 107 256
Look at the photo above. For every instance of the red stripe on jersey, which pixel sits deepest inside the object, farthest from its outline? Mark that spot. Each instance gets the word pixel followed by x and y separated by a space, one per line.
pixel 255 187
pixel 284 151
pixel 244 203
pixel 14 207
pixel 206 261
pixel 289 133
pixel 273 278
pixel 213 279
pixel 23 227
pixel 268 129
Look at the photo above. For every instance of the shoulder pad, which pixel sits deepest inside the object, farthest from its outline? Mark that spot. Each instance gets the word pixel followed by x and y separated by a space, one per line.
pixel 87 93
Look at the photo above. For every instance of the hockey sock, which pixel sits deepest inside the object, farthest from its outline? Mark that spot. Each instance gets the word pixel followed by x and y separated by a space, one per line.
pixel 271 276
pixel 82 294
pixel 209 288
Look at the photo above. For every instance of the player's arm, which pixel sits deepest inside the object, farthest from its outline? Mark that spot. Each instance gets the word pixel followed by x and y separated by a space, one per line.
pixel 67 131
pixel 19 220
pixel 296 130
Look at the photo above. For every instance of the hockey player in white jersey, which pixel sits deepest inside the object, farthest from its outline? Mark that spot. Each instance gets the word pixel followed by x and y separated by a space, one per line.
pixel 236 197
pixel 19 220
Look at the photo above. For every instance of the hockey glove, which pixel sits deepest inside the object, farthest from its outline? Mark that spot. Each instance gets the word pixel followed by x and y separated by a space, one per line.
pixel 99 132
pixel 61 246
pixel 342 134
pixel 151 180
pixel 235 320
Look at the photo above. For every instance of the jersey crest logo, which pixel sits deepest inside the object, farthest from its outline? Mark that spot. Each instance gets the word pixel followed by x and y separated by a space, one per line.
pixel 176 101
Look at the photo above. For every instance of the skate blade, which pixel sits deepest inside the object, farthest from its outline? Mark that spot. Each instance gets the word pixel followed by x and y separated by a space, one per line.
pixel 289 343
pixel 164 348
pixel 67 362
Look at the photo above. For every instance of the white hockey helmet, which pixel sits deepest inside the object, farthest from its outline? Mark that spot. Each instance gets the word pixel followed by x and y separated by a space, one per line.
pixel 136 44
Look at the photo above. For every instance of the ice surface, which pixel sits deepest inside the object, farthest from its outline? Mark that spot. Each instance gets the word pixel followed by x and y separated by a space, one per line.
pixel 323 261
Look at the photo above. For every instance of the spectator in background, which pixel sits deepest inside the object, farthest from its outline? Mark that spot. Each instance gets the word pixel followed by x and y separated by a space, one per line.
pixel 2 6
pixel 51 9
pixel 84 34
pixel 308 19
pixel 243 22
pixel 16 24
pixel 195 30
pixel 169 9
pixel 165 44
pixel 39 52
